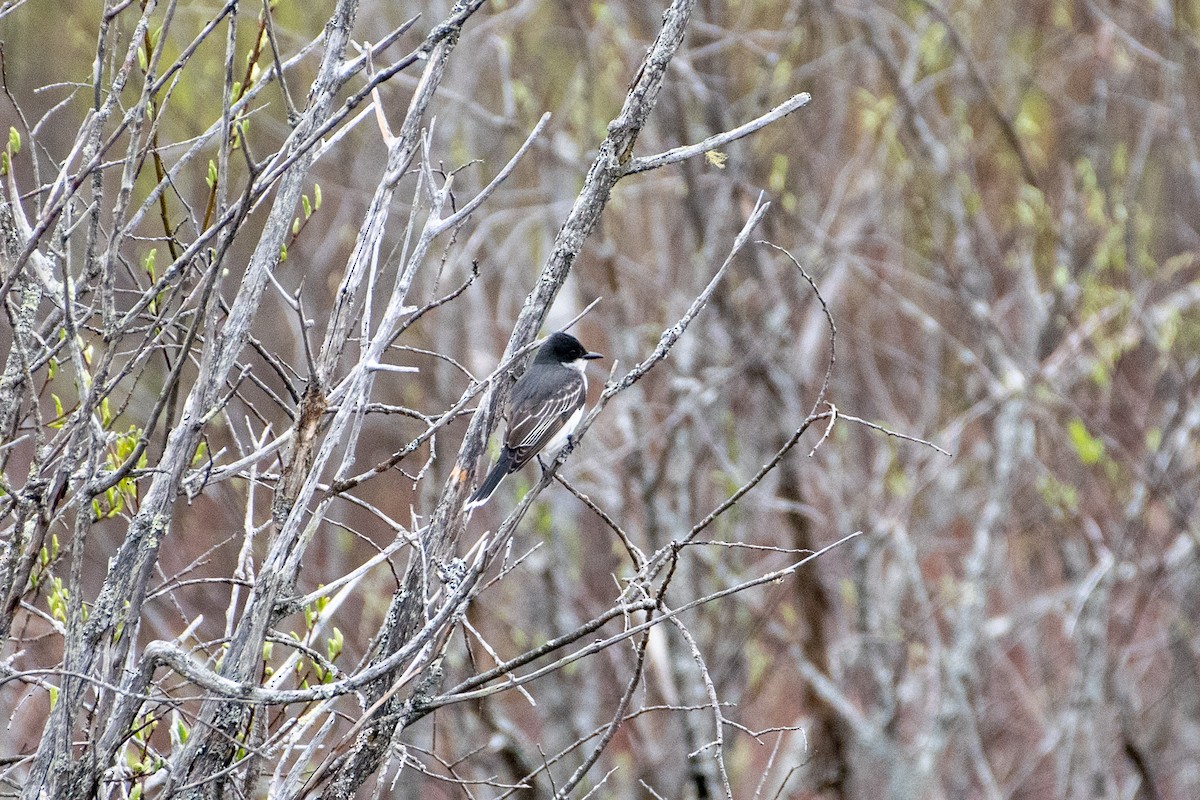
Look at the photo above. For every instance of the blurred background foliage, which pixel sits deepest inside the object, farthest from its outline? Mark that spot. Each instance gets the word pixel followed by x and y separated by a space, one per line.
pixel 999 202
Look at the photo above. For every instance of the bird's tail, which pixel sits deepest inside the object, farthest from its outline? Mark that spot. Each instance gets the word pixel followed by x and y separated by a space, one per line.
pixel 504 465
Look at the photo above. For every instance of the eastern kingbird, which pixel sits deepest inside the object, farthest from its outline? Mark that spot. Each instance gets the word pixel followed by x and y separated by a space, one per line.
pixel 546 406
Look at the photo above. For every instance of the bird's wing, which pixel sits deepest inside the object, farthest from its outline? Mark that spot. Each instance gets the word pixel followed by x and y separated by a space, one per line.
pixel 535 423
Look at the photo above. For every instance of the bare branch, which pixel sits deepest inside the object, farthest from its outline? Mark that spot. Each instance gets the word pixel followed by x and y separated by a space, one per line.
pixel 715 141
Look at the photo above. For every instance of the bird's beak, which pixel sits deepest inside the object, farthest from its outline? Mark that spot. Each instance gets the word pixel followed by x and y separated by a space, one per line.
pixel 593 356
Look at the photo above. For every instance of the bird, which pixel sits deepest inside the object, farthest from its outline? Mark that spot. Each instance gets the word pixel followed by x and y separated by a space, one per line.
pixel 546 407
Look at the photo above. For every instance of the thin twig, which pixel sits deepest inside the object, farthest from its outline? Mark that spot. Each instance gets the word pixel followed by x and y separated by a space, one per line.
pixel 719 140
pixel 882 429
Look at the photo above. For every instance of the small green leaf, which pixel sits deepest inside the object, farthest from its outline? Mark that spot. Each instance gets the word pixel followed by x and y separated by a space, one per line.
pixel 57 599
pixel 116 501
pixel 316 195
pixel 148 262
pixel 14 141
pixel 212 174
pixel 333 646
pixel 1087 447
pixel 304 201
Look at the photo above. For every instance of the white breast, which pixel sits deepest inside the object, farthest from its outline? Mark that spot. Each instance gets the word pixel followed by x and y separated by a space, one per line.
pixel 560 438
